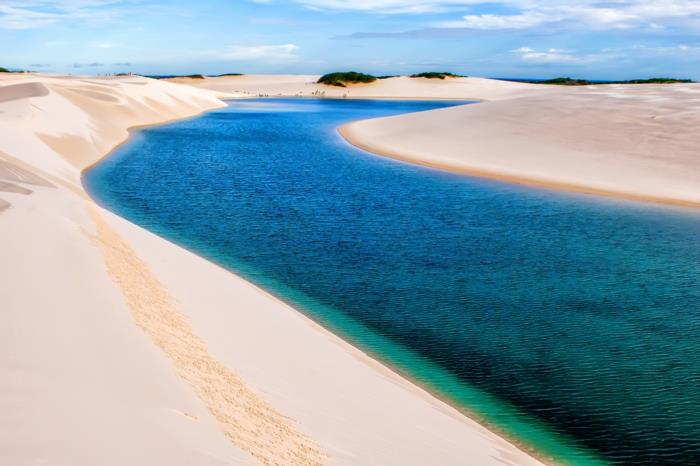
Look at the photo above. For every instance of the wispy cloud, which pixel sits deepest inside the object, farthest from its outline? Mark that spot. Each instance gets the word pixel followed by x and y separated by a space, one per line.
pixel 545 56
pixel 102 45
pixel 592 14
pixel 22 18
pixel 579 16
pixel 561 56
pixel 489 21
pixel 262 52
pixel 34 14
pixel 88 65
pixel 388 6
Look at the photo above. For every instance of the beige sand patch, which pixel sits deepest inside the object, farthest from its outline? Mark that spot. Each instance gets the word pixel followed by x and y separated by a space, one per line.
pixel 247 420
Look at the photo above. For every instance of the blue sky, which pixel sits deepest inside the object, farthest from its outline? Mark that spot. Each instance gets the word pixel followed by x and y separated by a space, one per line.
pixel 507 38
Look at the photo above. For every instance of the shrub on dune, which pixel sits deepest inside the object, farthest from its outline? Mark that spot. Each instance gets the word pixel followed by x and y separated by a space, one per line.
pixel 342 79
pixel 436 75
pixel 658 81
pixel 567 82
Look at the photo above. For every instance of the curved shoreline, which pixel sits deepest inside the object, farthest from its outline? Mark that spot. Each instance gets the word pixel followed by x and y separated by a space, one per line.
pixel 626 142
pixel 346 131
pixel 373 360
pixel 391 366
pixel 354 392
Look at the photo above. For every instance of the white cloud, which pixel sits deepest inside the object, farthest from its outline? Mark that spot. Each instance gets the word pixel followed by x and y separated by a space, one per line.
pixel 592 14
pixel 521 21
pixel 671 51
pixel 33 14
pixel 102 45
pixel 554 55
pixel 280 52
pixel 388 6
pixel 546 56
pixel 19 18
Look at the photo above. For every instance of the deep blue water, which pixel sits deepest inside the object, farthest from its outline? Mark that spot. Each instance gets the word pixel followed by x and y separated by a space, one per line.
pixel 569 322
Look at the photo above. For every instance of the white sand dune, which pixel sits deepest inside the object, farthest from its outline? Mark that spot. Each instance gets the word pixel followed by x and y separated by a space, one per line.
pixel 633 141
pixel 118 347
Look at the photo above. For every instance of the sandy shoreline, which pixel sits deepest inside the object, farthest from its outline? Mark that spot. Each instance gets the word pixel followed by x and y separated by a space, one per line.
pixel 361 142
pixel 640 147
pixel 154 355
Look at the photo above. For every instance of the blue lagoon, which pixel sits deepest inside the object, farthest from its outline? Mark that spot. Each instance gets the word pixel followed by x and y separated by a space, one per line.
pixel 570 323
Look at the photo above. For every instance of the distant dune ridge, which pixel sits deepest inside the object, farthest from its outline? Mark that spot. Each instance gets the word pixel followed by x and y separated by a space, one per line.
pixel 636 141
pixel 406 87
pixel 119 347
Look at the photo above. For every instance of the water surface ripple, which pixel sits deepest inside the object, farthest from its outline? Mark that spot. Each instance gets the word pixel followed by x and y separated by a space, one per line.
pixel 571 322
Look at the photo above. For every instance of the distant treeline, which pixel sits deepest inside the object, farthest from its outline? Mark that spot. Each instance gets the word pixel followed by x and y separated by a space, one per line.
pixel 343 78
pixel 586 82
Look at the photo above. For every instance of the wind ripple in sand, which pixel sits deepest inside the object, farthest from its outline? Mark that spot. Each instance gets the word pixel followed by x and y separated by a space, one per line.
pixel 246 419
pixel 10 174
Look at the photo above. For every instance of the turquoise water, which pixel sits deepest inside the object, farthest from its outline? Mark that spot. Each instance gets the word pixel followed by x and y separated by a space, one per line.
pixel 571 323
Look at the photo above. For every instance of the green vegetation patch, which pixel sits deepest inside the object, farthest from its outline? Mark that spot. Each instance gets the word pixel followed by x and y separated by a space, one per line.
pixel 436 75
pixel 585 82
pixel 656 81
pixel 566 82
pixel 342 79
pixel 4 70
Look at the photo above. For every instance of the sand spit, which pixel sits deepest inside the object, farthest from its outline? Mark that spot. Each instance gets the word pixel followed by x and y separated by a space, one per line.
pixel 634 141
pixel 118 347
